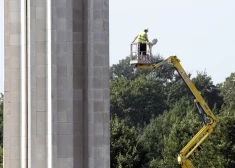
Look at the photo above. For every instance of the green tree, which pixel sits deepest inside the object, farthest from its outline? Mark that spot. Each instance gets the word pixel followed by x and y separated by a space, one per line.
pixel 208 90
pixel 167 134
pixel 176 90
pixel 138 100
pixel 124 139
pixel 165 107
pixel 124 69
pixel 219 148
pixel 225 137
pixel 228 91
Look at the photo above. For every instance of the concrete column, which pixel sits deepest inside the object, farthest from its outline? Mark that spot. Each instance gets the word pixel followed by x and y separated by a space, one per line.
pixel 56 104
pixel 12 104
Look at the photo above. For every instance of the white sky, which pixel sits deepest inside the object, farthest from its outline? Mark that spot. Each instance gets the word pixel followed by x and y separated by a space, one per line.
pixel 200 32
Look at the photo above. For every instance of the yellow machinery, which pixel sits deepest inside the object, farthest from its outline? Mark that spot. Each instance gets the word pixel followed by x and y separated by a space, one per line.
pixel 209 121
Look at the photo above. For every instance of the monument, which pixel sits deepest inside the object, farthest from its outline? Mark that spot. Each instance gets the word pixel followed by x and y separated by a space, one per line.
pixel 56 95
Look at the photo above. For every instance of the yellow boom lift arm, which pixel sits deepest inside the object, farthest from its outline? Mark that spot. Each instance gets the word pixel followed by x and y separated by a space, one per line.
pixel 209 121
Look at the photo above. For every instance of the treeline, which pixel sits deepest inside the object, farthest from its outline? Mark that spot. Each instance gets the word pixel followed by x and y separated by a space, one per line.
pixel 153 117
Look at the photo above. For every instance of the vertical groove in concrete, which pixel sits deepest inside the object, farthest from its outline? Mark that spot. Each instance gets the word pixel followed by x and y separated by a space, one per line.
pixel 29 123
pixel 87 152
pixel 23 91
pixel 49 86
pixel 96 83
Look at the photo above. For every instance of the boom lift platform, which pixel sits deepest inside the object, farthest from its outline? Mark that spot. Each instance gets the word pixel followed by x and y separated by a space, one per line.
pixel 141 57
pixel 205 112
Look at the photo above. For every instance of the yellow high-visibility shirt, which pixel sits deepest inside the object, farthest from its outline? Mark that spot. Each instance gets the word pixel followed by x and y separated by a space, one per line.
pixel 142 37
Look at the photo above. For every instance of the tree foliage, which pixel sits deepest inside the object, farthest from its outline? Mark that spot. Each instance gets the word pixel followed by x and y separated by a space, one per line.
pixel 138 100
pixel 125 70
pixel 166 135
pixel 228 91
pixel 153 117
pixel 208 90
pixel 124 152
pixel 155 110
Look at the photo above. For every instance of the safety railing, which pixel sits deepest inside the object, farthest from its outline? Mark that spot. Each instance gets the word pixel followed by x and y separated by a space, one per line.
pixel 137 56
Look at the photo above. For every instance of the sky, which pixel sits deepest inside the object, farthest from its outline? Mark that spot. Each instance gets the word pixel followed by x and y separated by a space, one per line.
pixel 201 33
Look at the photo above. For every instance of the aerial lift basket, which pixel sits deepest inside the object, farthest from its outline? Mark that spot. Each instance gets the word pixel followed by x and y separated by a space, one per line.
pixel 141 57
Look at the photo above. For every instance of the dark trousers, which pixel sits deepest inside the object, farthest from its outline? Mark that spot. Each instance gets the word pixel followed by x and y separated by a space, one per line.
pixel 142 48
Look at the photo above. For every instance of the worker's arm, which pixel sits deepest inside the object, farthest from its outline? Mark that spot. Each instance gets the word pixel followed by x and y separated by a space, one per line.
pixel 146 36
pixel 134 39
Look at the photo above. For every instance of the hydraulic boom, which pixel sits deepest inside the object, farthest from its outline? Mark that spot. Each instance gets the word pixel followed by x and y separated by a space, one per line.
pixel 209 121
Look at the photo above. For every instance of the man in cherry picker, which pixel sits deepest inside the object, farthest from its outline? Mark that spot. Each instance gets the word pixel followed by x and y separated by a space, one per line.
pixel 142 38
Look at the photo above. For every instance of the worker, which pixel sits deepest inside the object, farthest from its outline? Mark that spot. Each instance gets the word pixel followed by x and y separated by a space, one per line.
pixel 142 38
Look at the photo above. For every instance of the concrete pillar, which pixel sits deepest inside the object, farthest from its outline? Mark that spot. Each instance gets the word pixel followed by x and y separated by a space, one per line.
pixel 56 104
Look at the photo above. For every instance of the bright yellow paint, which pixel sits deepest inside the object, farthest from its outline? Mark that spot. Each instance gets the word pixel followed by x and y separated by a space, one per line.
pixel 207 129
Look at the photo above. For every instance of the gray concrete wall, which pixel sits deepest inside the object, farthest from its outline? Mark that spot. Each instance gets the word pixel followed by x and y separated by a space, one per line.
pixel 56 111
pixel 12 113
